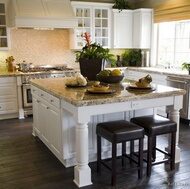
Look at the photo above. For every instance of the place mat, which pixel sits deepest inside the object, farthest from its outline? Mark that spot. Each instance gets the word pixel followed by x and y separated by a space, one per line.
pixel 109 91
pixel 137 89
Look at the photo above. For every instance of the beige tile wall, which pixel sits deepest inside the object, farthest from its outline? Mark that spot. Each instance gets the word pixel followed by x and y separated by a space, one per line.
pixel 40 47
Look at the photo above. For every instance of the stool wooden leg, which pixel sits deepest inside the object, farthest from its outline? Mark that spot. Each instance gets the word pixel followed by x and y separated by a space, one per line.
pixel 153 148
pixel 114 157
pixel 123 154
pixel 149 156
pixel 98 153
pixel 140 159
pixel 131 150
pixel 173 144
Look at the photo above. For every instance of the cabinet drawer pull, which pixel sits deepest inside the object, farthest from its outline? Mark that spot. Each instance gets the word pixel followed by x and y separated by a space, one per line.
pixel 51 100
pixel 33 90
pixel 38 101
pixel 42 94
pixel 47 108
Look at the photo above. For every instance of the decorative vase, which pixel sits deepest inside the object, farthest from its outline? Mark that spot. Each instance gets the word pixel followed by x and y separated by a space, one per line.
pixel 91 67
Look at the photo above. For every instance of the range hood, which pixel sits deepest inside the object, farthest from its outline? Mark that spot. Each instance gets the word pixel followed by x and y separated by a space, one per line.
pixel 41 14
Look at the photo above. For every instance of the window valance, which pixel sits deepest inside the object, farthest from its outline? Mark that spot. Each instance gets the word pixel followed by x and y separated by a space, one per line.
pixel 179 10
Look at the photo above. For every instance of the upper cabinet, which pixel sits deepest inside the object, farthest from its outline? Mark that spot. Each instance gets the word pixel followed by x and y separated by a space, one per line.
pixel 133 28
pixel 94 18
pixel 142 28
pixel 123 28
pixel 4 32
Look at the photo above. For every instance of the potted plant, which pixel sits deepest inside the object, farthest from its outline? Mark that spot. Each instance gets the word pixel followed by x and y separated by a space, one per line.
pixel 186 66
pixel 92 58
pixel 131 57
pixel 121 4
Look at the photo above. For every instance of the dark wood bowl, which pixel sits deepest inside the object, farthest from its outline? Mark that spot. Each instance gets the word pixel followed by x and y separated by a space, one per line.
pixel 109 79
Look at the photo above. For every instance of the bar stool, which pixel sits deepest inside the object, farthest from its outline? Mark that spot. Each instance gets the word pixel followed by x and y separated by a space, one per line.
pixel 155 125
pixel 119 132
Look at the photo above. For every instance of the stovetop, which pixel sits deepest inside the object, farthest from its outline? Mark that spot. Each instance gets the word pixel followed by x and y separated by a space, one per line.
pixel 46 69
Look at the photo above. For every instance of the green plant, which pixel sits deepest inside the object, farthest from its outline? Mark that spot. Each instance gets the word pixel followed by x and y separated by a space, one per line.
pixel 131 55
pixel 185 66
pixel 93 50
pixel 121 4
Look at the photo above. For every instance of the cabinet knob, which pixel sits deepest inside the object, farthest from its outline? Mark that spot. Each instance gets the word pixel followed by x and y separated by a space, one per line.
pixel 51 100
pixel 42 94
pixel 47 108
pixel 38 101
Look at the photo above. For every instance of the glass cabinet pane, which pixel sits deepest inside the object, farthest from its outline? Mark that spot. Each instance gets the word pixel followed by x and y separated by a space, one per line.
pixel 2 20
pixel 3 42
pixel 2 8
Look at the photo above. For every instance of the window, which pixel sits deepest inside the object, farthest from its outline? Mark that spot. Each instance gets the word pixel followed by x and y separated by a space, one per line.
pixel 173 43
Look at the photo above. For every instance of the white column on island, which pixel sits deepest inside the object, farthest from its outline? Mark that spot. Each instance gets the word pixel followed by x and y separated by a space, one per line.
pixel 174 115
pixel 82 171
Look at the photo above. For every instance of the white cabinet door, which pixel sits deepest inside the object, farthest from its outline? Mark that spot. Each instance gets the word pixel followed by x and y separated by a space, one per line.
pixel 44 121
pixel 95 19
pixel 142 28
pixel 55 130
pixel 47 120
pixel 123 27
pixel 35 103
pixel 8 95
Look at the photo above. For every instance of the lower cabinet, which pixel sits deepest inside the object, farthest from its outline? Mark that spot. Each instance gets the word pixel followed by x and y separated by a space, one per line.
pixel 47 121
pixel 8 97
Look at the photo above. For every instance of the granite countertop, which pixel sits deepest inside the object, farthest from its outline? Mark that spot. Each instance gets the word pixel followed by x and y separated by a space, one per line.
pixel 5 73
pixel 168 72
pixel 79 96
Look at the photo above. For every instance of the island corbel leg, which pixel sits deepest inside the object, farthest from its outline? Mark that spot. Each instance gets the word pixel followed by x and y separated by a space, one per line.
pixel 82 172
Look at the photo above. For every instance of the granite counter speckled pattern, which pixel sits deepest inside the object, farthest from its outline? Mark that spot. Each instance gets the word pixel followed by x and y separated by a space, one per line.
pixel 4 73
pixel 80 97
pixel 167 72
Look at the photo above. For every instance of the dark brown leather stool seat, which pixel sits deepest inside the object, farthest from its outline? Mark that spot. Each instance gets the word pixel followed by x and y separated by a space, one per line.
pixel 155 125
pixel 119 132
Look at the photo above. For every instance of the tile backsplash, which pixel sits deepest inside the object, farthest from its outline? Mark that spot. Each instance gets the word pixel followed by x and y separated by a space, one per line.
pixel 40 47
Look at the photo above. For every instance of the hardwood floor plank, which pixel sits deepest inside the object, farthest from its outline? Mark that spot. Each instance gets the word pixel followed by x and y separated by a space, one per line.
pixel 26 163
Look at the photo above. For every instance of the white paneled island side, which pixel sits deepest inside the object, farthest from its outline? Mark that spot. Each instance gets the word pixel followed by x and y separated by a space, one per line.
pixel 65 118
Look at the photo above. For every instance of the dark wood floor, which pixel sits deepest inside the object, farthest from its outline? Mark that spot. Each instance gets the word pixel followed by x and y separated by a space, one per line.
pixel 26 163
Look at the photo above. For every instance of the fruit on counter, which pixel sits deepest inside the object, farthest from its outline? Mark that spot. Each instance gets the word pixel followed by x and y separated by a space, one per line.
pixel 145 80
pixel 115 72
pixel 105 72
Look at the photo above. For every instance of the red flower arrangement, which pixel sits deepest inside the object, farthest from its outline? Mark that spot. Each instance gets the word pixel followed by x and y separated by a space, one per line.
pixel 93 50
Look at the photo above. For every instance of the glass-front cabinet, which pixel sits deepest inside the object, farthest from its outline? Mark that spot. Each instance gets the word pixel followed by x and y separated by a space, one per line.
pixel 93 18
pixel 4 32
pixel 101 36
pixel 84 24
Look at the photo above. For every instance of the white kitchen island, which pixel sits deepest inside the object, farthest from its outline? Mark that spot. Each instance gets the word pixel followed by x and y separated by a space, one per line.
pixel 82 106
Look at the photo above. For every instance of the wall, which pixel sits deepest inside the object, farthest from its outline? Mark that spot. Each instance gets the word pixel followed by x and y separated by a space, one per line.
pixel 40 47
